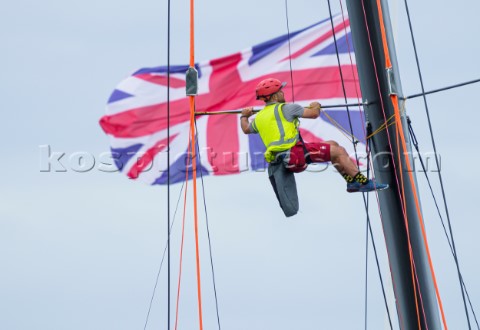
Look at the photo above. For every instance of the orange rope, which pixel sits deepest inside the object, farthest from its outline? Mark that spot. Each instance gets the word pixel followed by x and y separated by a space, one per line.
pixel 194 164
pixel 192 34
pixel 394 99
pixel 195 212
pixel 388 62
pixel 183 236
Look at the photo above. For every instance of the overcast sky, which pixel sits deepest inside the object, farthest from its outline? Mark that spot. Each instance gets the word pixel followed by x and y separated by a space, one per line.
pixel 82 250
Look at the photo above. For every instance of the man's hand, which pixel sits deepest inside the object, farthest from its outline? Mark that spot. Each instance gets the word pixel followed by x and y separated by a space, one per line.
pixel 312 111
pixel 247 112
pixel 315 106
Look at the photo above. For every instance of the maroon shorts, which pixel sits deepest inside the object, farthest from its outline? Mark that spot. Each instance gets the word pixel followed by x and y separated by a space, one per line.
pixel 319 153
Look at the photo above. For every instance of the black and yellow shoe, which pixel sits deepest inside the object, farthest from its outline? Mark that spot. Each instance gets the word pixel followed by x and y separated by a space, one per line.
pixel 366 187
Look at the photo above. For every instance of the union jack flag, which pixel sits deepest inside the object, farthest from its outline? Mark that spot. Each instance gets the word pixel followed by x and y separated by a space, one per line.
pixel 136 114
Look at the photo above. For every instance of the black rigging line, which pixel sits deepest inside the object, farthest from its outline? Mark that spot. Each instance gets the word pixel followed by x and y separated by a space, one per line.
pixel 230 112
pixel 289 51
pixel 163 258
pixel 441 89
pixel 415 143
pixel 366 268
pixel 344 105
pixel 437 162
pixel 365 200
pixel 342 79
pixel 208 229
pixel 168 164
pixel 379 271
pixel 369 227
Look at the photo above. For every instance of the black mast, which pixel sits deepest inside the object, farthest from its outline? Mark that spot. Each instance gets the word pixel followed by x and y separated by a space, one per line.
pixel 415 295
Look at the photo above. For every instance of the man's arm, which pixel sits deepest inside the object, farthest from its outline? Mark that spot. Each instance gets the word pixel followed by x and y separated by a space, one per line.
pixel 312 111
pixel 246 113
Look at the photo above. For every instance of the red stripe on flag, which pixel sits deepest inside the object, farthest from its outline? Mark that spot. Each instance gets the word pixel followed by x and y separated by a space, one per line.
pixel 143 162
pixel 145 120
pixel 223 143
pixel 311 84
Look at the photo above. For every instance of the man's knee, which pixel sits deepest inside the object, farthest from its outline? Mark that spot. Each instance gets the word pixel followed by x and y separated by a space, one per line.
pixel 332 143
pixel 337 151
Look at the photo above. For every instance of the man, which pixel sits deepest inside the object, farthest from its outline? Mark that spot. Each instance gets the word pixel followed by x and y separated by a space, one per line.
pixel 277 123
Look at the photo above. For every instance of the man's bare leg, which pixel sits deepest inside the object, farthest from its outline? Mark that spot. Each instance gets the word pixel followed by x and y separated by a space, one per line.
pixel 341 160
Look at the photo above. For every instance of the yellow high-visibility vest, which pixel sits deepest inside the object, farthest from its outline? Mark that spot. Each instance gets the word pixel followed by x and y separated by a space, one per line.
pixel 277 133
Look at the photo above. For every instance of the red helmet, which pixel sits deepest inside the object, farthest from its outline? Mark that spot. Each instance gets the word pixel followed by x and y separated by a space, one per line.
pixel 268 87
